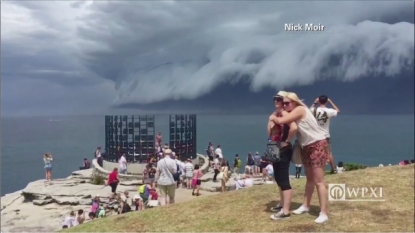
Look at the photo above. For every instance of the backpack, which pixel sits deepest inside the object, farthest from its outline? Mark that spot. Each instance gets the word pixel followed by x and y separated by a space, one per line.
pixel 238 163
pixel 141 189
pixel 251 161
pixel 126 207
pixel 178 169
pixel 176 175
pixel 144 190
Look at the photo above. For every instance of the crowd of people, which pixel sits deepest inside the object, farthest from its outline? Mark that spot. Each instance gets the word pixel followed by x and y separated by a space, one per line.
pixel 290 119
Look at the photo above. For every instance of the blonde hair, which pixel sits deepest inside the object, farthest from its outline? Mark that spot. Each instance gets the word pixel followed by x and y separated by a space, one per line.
pixel 47 155
pixel 282 93
pixel 292 96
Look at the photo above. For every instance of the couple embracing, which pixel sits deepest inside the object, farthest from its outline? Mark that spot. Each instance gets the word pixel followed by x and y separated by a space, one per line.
pixel 293 118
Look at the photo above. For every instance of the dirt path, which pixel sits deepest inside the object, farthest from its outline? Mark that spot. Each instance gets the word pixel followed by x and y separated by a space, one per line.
pixel 183 195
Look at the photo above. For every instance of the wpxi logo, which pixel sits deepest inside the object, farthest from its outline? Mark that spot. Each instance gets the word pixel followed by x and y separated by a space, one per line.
pixel 340 192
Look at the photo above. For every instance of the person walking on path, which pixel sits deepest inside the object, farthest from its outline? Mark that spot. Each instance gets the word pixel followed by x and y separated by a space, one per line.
pixel 166 167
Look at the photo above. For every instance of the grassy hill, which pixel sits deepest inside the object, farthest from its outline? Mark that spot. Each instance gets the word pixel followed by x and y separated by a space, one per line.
pixel 248 210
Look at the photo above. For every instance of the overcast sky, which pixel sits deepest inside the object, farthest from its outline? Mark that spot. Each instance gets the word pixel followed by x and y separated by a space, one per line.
pixel 98 57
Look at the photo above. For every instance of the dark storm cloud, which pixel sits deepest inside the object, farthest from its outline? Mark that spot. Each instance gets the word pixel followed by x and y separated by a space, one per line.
pixel 364 96
pixel 41 71
pixel 91 55
pixel 183 50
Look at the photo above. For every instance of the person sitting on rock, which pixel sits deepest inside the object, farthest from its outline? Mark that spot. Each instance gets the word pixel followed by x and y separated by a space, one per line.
pixel 101 211
pixel 126 203
pixel 91 215
pixel 80 218
pixel 116 203
pixel 154 195
pixel 144 193
pixel 86 165
pixel 95 199
pixel 403 163
pixel 340 167
pixel 94 205
pixel 138 202
pixel 69 220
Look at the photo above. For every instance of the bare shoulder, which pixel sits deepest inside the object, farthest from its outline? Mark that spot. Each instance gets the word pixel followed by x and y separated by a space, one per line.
pixel 301 110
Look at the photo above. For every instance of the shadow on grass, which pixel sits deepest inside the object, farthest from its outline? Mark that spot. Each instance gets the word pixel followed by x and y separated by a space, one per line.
pixel 314 210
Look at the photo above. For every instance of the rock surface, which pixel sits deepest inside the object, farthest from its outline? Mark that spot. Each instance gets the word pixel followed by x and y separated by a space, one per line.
pixel 26 210
pixel 41 207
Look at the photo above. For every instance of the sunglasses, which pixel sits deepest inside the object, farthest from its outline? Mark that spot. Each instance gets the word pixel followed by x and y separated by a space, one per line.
pixel 286 103
pixel 278 99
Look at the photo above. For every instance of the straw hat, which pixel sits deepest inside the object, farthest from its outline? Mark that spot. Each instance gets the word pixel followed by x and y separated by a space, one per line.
pixel 292 96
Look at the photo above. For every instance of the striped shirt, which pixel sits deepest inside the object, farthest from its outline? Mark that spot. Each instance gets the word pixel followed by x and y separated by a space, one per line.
pixel 188 169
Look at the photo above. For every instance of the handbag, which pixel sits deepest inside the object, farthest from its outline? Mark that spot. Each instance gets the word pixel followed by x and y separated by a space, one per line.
pixel 272 153
pixel 297 153
pixel 176 175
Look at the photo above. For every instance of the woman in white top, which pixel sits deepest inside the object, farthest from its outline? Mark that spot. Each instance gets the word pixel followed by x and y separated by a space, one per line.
pixel 315 151
pixel 122 163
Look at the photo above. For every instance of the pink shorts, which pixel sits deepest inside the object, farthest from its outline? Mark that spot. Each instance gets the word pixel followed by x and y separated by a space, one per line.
pixel 316 154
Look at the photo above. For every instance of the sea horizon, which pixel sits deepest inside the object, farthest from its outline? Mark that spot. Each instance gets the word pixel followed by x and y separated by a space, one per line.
pixel 186 113
pixel 363 139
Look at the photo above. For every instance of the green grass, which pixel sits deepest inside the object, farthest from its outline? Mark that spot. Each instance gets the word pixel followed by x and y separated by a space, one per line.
pixel 248 210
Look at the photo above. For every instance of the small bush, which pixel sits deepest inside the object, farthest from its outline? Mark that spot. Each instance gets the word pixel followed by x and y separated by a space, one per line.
pixel 96 179
pixel 354 166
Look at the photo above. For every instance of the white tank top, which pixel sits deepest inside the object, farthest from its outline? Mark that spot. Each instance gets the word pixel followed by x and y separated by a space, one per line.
pixel 308 130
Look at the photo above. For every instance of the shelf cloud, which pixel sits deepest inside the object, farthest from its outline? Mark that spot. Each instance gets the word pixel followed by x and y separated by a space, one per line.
pixel 92 55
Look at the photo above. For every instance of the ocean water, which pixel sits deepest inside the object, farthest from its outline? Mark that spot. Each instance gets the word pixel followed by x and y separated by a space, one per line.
pixel 362 139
